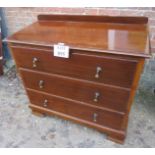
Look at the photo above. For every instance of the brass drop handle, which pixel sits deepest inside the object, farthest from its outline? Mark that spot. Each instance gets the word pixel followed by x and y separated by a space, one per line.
pixel 41 84
pixel 34 62
pixel 96 96
pixel 45 103
pixel 95 115
pixel 98 70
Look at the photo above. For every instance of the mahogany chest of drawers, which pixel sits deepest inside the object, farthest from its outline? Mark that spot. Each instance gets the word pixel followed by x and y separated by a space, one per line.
pixel 96 84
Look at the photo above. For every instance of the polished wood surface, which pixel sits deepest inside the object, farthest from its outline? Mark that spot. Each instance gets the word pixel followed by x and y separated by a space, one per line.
pixel 81 111
pixel 125 38
pixel 68 87
pixel 77 90
pixel 115 71
pixel 113 134
pixel 92 18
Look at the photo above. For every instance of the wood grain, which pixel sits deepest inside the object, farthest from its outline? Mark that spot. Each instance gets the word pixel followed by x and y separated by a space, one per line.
pixel 115 71
pixel 81 111
pixel 83 91
pixel 122 37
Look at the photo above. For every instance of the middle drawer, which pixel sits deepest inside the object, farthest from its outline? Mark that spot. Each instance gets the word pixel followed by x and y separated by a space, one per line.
pixel 80 90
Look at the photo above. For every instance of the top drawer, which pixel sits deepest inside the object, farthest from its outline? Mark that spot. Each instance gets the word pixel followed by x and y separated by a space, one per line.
pixel 108 70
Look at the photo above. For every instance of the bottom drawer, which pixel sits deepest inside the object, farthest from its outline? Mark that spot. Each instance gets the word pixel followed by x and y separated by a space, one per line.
pixel 78 110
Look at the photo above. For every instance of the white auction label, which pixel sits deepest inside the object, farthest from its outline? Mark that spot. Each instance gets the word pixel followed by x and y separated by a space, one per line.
pixel 60 50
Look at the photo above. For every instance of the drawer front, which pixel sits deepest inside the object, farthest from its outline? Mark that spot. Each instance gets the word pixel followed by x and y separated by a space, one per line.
pixel 108 70
pixel 87 92
pixel 81 111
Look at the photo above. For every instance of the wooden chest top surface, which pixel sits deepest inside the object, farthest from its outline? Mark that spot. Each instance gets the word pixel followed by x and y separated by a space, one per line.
pixel 118 35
